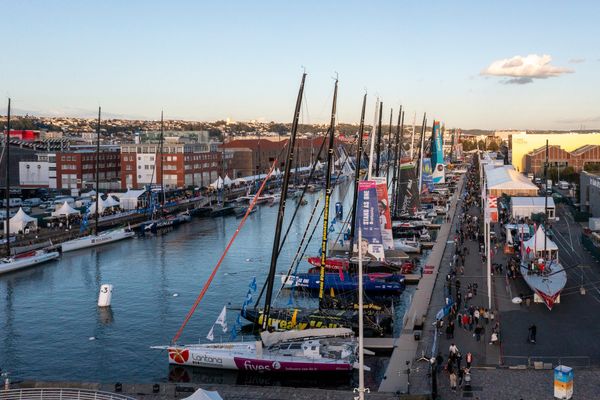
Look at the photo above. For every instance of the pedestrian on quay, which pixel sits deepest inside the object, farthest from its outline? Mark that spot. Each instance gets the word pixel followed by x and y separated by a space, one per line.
pixel 453 350
pixel 459 319
pixel 486 315
pixel 453 380
pixel 439 361
pixel 469 360
pixel 478 331
pixel 461 375
pixel 532 333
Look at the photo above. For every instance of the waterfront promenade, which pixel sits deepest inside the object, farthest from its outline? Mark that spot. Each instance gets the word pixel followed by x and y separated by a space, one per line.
pixel 407 350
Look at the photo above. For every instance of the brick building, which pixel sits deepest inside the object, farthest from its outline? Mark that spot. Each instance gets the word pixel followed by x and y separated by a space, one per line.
pixel 183 164
pixel 76 169
pixel 255 156
pixel 560 158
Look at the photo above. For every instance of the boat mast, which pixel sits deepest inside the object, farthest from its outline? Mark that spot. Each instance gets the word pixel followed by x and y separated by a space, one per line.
pixel 546 203
pixel 421 152
pixel 359 152
pixel 162 187
pixel 379 141
pixel 399 166
pixel 394 175
pixel 97 172
pixel 372 143
pixel 327 196
pixel 7 194
pixel 412 140
pixel 389 145
pixel 281 211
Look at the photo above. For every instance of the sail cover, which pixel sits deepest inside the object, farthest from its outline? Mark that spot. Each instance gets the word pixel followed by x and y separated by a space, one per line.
pixel 271 338
pixel 408 190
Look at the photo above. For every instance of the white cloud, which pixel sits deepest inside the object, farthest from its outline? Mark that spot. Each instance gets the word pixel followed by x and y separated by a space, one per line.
pixel 576 60
pixel 523 70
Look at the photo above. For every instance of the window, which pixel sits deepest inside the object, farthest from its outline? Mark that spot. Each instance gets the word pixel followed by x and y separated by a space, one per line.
pixel 128 167
pixel 139 167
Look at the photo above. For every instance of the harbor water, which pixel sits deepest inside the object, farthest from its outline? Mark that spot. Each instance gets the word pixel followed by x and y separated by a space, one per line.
pixel 52 329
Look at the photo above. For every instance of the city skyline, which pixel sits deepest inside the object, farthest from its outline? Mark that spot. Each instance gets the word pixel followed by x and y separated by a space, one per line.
pixel 508 66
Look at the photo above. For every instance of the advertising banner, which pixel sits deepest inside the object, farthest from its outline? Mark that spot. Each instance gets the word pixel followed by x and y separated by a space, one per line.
pixel 368 221
pixel 385 219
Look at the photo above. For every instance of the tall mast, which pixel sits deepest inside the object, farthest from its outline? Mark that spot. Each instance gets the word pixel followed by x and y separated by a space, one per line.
pixel 327 196
pixel 546 202
pixel 394 177
pixel 359 152
pixel 372 141
pixel 389 145
pixel 7 194
pixel 421 151
pixel 399 180
pixel 281 211
pixel 379 141
pixel 97 171
pixel 412 140
pixel 162 177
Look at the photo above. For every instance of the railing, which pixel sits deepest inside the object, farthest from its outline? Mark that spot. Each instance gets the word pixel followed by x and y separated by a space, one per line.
pixel 533 361
pixel 59 394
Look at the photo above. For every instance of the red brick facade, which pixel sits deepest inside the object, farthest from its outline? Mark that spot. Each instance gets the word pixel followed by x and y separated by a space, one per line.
pixel 77 169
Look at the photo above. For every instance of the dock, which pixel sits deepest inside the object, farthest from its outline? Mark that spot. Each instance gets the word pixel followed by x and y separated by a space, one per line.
pixel 404 358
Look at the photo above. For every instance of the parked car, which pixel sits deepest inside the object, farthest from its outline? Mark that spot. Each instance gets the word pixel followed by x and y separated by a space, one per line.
pixel 45 204
pixel 33 202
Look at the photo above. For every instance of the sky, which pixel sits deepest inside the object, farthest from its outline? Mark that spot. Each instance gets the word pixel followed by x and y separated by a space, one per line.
pixel 472 64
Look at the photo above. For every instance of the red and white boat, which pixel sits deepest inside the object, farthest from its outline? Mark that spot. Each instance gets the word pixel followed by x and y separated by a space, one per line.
pixel 310 350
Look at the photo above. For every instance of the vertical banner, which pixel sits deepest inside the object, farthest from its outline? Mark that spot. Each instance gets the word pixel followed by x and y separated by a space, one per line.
pixel 368 220
pixel 426 176
pixel 385 218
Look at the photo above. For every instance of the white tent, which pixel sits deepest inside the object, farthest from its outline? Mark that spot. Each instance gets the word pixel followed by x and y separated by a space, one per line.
pixel 91 193
pixel 111 202
pixel 65 210
pixel 129 199
pixel 20 221
pixel 507 180
pixel 538 243
pixel 239 181
pixel 102 205
pixel 318 166
pixel 202 394
pixel 227 181
pixel 217 184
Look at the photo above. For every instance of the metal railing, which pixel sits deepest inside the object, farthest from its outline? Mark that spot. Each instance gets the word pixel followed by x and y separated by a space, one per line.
pixel 59 394
pixel 530 361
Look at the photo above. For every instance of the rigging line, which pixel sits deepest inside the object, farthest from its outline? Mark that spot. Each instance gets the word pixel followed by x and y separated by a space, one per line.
pixel 214 272
pixel 297 259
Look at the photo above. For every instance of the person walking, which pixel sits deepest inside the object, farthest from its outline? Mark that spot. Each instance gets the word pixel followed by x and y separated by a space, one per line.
pixel 453 350
pixel 532 333
pixel 439 361
pixel 453 380
pixel 469 360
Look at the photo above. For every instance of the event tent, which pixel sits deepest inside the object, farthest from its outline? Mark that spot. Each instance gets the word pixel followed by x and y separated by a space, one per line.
pixel 130 199
pixel 202 394
pixel 506 180
pixel 65 210
pixel 20 221
pixel 227 180
pixel 217 184
pixel 538 242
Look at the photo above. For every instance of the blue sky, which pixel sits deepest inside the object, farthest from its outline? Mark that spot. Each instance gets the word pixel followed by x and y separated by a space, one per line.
pixel 242 59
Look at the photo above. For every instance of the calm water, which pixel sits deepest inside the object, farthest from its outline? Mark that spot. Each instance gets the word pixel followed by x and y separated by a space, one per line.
pixel 51 328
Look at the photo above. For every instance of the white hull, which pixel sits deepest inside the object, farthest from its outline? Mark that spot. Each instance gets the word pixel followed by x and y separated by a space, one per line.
pixel 96 240
pixel 14 264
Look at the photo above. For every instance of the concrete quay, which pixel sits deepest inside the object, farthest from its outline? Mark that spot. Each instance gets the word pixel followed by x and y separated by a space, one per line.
pixel 407 350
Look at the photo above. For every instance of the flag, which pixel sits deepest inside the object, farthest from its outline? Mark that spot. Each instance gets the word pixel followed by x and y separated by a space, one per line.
pixel 222 320
pixel 210 335
pixel 233 334
pixel 253 284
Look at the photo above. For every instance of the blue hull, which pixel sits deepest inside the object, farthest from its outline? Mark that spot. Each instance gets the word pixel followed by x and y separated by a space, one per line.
pixel 390 284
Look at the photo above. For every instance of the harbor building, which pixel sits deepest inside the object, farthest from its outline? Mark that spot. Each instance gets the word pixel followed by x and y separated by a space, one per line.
pixel 589 193
pixel 525 143
pixel 560 158
pixel 183 164
pixel 76 168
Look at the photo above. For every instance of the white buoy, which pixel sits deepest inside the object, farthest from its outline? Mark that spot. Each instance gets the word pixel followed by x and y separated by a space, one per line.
pixel 105 296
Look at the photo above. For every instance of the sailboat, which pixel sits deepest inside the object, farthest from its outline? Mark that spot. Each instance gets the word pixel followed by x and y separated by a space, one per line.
pixel 339 275
pixel 21 261
pixel 540 266
pixel 97 238
pixel 311 350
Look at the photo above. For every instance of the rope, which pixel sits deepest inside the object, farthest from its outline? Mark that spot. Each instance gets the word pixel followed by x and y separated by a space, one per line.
pixel 214 272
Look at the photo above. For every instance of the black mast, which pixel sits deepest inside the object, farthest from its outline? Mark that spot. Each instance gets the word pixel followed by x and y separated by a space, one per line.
pixel 397 153
pixel 546 203
pixel 378 149
pixel 281 211
pixel 327 196
pixel 7 194
pixel 162 187
pixel 97 171
pixel 389 145
pixel 359 152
